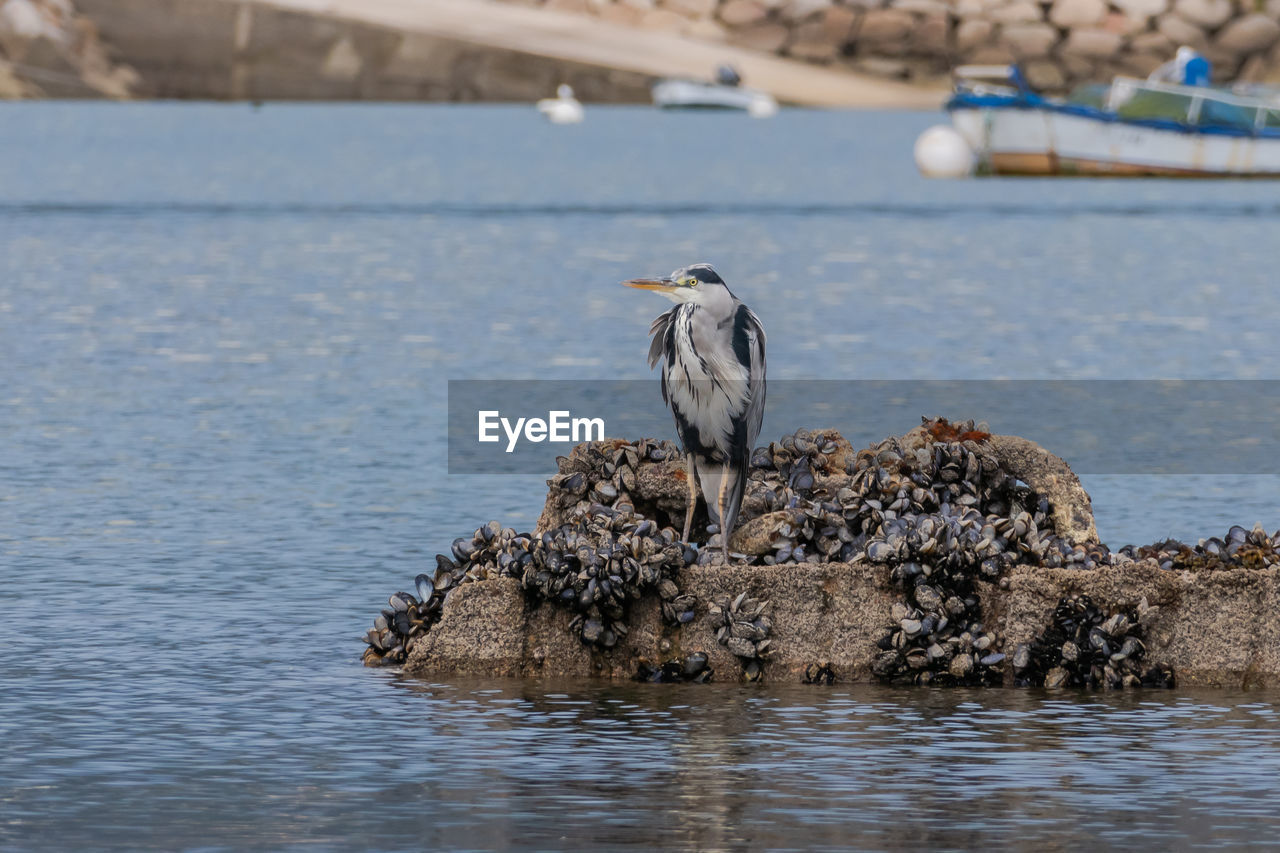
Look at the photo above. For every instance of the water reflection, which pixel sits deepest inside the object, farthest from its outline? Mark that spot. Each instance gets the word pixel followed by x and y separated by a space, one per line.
pixel 722 766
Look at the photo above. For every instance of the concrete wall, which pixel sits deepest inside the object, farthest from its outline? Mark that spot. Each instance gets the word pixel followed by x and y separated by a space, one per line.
pixel 217 49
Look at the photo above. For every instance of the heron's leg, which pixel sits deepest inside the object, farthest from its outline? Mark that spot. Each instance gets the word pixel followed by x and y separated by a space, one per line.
pixel 720 505
pixel 692 477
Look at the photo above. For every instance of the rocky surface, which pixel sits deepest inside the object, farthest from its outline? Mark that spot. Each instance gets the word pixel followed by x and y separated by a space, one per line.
pixel 47 49
pixel 944 556
pixel 1212 629
pixel 1060 42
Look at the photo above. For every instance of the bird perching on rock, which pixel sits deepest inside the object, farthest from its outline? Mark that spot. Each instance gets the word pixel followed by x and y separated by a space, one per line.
pixel 711 346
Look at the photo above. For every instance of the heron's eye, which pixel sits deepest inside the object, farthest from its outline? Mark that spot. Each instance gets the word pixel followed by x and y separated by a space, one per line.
pixel 690 281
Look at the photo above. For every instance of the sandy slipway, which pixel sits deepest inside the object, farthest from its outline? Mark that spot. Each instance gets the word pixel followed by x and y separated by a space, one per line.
pixel 944 556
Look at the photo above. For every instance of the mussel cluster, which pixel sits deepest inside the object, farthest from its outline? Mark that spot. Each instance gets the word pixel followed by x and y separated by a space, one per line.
pixel 1085 646
pixel 940 510
pixel 598 564
pixel 742 627
pixel 409 617
pixel 692 668
pixel 840 500
pixel 936 633
pixel 405 618
pixel 943 515
pixel 848 502
pixel 594 566
pixel 820 673
pixel 1239 549
pixel 606 473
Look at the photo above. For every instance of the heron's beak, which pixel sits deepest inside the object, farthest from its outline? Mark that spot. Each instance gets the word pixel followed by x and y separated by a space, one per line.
pixel 662 285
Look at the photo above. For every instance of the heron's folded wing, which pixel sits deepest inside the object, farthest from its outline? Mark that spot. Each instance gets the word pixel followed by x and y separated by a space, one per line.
pixel 754 415
pixel 660 330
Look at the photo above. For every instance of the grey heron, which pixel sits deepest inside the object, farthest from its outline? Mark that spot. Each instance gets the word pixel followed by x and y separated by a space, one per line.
pixel 711 346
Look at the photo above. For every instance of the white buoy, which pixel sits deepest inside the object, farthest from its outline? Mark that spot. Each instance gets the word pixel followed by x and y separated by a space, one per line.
pixel 762 106
pixel 941 152
pixel 563 108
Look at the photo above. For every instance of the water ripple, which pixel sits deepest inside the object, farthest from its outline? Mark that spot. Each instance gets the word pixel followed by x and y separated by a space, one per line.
pixel 986 209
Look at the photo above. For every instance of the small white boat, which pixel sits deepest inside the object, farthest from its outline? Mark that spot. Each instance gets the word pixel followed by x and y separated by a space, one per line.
pixel 724 94
pixel 1131 127
pixel 564 108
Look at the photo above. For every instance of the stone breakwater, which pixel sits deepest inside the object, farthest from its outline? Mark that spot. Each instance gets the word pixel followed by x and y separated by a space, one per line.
pixel 947 556
pixel 435 50
pixel 1059 42
pixel 610 50
pixel 47 49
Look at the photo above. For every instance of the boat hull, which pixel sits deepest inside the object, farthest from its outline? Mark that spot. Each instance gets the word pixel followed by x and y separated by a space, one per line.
pixel 691 95
pixel 1041 141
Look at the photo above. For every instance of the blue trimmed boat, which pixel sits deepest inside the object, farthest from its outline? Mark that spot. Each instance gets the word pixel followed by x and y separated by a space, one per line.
pixel 1130 127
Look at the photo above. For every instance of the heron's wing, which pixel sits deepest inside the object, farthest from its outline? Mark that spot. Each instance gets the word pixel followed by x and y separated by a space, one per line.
pixel 751 354
pixel 662 333
pixel 659 330
pixel 748 342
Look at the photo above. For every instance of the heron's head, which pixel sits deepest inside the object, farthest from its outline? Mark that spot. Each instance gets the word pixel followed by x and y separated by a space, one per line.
pixel 698 284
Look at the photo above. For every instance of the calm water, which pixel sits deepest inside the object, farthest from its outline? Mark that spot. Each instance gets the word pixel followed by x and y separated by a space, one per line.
pixel 225 337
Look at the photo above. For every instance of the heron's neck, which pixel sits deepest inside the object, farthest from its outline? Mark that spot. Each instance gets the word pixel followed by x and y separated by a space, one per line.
pixel 715 304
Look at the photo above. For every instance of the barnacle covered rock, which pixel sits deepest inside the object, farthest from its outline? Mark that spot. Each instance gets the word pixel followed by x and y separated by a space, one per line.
pixel 942 557
pixel 742 627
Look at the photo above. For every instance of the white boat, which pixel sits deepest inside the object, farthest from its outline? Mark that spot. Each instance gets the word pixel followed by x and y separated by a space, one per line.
pixel 1131 127
pixel 725 94
pixel 564 108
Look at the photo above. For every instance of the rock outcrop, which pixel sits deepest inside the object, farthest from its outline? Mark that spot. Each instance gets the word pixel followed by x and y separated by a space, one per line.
pixel 1214 629
pixel 945 556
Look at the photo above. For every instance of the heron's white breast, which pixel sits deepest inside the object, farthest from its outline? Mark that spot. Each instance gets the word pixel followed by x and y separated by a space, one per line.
pixel 705 383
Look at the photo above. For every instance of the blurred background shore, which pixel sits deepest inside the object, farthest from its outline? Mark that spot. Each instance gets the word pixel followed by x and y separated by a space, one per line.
pixel 826 53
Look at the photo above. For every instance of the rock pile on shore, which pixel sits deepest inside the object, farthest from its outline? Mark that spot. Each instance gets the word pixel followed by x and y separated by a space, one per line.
pixel 48 50
pixel 1060 42
pixel 945 556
